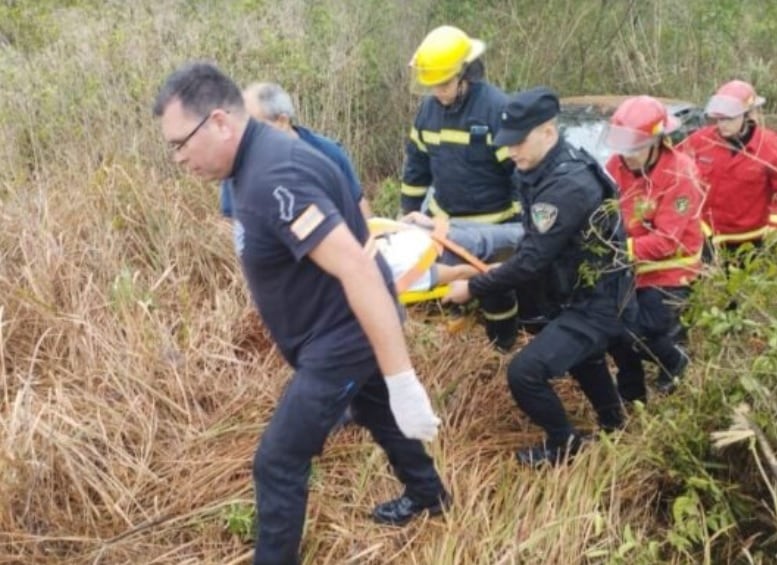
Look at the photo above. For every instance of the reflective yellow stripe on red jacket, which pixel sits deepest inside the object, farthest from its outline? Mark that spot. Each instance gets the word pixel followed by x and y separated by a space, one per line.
pixel 740 237
pixel 679 262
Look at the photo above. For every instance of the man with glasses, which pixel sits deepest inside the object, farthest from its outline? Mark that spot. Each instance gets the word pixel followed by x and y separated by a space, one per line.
pixel 326 302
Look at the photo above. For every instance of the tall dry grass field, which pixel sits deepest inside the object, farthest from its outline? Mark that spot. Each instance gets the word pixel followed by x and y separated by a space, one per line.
pixel 135 378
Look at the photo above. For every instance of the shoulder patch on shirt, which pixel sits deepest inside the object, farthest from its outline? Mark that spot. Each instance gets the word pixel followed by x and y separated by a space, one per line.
pixel 682 204
pixel 543 216
pixel 285 202
pixel 309 220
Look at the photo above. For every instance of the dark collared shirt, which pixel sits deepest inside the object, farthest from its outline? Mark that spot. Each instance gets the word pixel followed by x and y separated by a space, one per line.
pixel 287 198
pixel 325 145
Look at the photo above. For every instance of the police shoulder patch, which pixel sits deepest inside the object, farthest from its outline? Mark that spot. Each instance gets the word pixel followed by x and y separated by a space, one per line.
pixel 309 220
pixel 543 216
pixel 682 205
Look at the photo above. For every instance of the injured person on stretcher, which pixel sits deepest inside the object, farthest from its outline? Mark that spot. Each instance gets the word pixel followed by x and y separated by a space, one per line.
pixel 425 254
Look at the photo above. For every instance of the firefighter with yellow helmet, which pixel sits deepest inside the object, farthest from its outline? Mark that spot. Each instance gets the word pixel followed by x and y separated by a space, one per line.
pixel 451 148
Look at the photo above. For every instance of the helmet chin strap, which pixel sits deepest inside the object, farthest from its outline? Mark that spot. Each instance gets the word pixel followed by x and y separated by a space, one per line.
pixel 460 88
pixel 745 124
pixel 741 138
pixel 462 82
pixel 652 157
pixel 461 91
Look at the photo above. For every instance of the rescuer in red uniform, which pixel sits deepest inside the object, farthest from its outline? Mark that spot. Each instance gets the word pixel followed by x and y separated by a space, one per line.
pixel 737 160
pixel 660 200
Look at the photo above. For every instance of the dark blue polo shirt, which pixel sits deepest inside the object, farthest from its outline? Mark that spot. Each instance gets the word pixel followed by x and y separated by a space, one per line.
pixel 287 198
pixel 328 147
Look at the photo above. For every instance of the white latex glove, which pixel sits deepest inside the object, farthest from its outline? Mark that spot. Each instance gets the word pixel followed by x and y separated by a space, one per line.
pixel 411 406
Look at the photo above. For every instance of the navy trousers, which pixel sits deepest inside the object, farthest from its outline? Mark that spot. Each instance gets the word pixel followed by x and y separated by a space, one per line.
pixel 574 342
pixel 310 406
pixel 658 331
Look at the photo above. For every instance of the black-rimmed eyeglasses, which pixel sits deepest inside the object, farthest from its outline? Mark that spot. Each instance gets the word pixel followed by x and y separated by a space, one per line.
pixel 178 145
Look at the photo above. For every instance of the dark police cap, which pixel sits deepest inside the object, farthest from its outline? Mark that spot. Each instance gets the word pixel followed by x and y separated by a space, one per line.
pixel 526 110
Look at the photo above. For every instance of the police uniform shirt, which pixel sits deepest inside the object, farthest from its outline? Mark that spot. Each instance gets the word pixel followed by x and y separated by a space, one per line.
pixel 288 197
pixel 558 198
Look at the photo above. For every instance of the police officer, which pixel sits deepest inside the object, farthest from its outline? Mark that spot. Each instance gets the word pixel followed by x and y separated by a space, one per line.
pixel 299 235
pixel 661 201
pixel 571 245
pixel 451 147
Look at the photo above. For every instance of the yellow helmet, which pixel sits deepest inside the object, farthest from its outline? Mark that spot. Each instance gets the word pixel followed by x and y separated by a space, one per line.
pixel 443 54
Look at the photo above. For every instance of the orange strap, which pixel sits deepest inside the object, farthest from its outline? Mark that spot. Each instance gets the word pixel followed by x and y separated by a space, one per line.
pixel 415 272
pixel 383 226
pixel 438 235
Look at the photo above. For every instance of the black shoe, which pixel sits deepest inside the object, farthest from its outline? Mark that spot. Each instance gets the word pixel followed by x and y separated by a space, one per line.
pixel 629 400
pixel 504 346
pixel 632 389
pixel 610 416
pixel 666 387
pixel 611 426
pixel 400 511
pixel 546 454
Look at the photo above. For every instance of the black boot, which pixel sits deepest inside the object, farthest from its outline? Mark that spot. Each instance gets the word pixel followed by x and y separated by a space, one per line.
pixel 502 334
pixel 548 453
pixel 400 511
pixel 611 420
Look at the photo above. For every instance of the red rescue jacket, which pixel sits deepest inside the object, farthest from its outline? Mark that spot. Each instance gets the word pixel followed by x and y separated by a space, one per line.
pixel 740 184
pixel 662 213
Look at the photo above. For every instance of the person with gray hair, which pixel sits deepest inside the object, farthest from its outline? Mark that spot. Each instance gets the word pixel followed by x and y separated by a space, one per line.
pixel 271 101
pixel 268 102
pixel 327 303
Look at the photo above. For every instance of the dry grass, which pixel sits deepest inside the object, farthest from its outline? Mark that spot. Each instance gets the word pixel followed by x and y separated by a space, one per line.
pixel 132 400
pixel 135 380
pixel 136 456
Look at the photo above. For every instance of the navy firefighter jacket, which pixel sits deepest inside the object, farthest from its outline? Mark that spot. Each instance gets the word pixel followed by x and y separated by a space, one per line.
pixel 451 148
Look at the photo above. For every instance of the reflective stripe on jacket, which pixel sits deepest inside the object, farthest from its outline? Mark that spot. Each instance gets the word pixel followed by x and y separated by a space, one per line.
pixel 661 210
pixel 740 183
pixel 451 148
